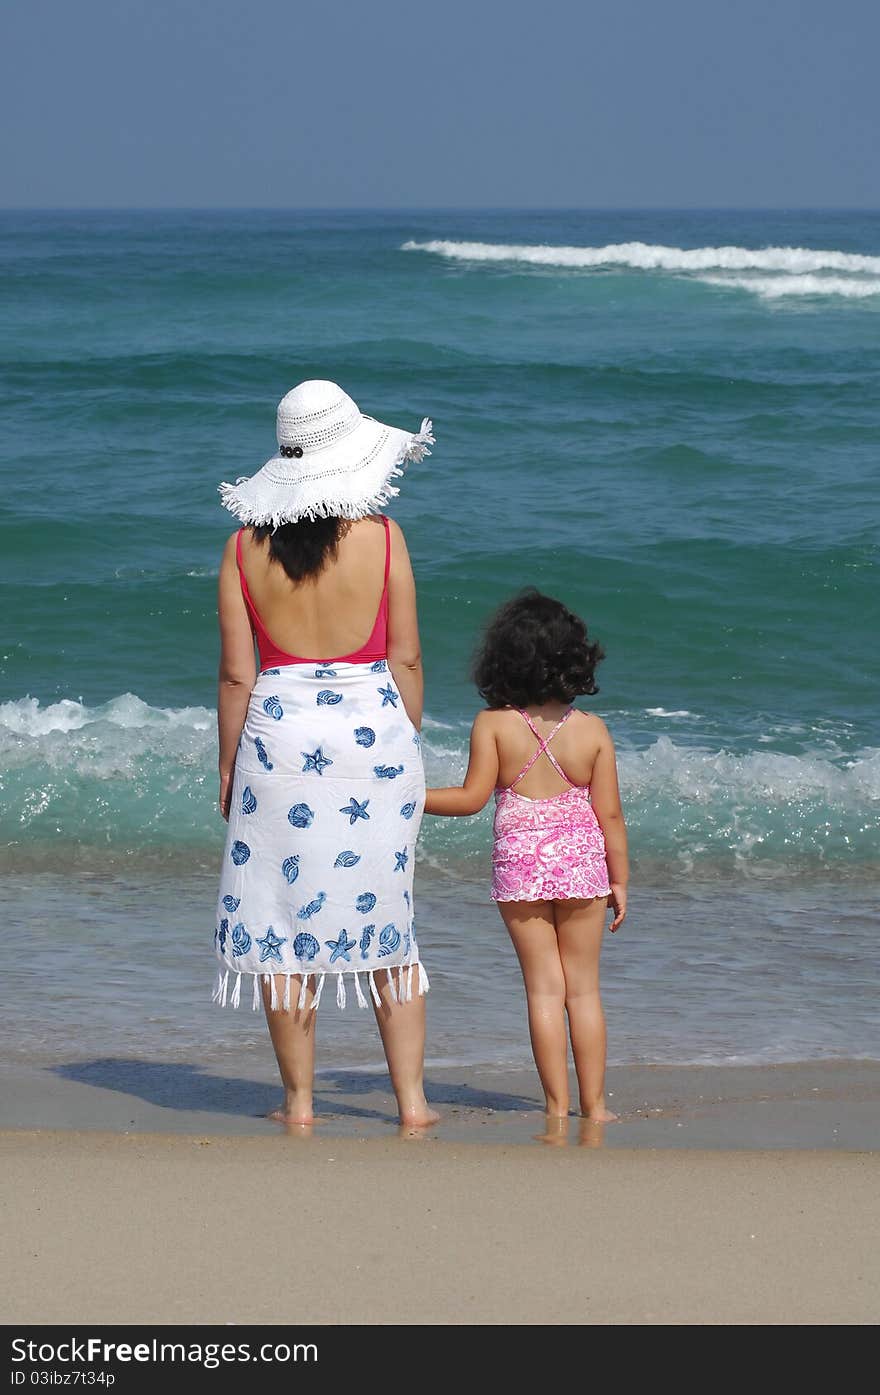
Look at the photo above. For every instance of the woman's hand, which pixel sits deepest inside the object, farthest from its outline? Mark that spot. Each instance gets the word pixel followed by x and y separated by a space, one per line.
pixel 617 905
pixel 225 799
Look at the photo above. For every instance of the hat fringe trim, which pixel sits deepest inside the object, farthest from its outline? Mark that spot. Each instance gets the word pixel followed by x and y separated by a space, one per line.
pixel 255 513
pixel 418 445
pixel 263 509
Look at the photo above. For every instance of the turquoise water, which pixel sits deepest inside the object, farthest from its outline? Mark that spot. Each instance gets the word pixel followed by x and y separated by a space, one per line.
pixel 672 423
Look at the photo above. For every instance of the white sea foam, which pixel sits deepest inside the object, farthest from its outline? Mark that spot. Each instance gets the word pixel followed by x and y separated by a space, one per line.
pixel 644 256
pixel 26 717
pixel 796 271
pixel 777 287
pixel 125 770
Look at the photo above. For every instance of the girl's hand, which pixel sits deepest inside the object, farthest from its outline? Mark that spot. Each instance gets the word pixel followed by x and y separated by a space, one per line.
pixel 225 798
pixel 617 905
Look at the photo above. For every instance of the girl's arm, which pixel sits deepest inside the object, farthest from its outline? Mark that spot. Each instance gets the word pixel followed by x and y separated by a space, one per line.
pixel 605 797
pixel 238 669
pixel 481 777
pixel 404 650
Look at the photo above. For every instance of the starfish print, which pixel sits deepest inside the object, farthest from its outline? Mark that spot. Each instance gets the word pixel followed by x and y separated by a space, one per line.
pixel 402 859
pixel 355 810
pixel 341 947
pixel 316 761
pixel 271 946
pixel 388 695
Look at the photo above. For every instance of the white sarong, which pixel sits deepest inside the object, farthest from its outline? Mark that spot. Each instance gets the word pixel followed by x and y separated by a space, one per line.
pixel 317 872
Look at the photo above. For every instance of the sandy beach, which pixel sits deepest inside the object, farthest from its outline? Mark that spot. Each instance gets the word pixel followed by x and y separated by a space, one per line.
pixel 148 1194
pixel 178 1229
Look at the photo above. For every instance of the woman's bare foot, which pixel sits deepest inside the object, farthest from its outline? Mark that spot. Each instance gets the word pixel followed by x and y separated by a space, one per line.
pixel 419 1116
pixel 296 1109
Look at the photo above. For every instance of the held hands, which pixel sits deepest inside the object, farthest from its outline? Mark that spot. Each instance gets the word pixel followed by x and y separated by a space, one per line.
pixel 225 798
pixel 617 905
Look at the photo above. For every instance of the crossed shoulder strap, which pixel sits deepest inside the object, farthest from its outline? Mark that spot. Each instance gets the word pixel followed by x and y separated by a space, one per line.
pixel 543 747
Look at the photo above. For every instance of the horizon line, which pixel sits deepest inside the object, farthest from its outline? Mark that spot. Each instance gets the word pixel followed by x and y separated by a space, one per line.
pixel 440 208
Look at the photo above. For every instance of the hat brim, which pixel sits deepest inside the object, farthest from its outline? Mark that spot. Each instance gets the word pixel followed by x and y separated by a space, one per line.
pixel 350 479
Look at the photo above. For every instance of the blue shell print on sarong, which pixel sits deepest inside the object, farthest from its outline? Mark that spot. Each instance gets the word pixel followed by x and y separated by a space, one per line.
pixel 316 760
pixel 270 946
pixel 347 859
pixel 389 939
pixel 305 946
pixel 366 937
pixel 241 940
pixel 324 818
pixel 263 755
pixel 327 698
pixel 340 949
pixel 380 666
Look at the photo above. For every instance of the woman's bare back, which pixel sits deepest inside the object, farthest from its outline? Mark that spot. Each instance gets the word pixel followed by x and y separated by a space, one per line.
pixel 324 615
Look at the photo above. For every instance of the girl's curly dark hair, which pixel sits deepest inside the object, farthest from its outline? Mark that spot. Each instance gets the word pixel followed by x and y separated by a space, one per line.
pixel 535 650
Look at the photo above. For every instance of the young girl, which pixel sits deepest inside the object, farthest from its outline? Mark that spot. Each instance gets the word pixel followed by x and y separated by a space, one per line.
pixel 559 855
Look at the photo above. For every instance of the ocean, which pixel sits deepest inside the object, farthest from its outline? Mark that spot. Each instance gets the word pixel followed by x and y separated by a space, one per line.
pixel 669 420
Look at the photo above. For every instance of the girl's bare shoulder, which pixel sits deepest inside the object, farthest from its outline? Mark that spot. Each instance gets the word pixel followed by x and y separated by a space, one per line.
pixel 591 725
pixel 492 720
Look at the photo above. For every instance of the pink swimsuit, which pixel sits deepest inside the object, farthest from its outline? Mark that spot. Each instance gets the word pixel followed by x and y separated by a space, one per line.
pixel 547 849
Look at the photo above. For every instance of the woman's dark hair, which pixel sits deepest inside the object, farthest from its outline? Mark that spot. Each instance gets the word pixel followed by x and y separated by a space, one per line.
pixel 535 650
pixel 303 547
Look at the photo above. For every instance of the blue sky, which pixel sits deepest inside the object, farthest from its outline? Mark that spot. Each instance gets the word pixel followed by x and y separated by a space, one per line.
pixel 273 103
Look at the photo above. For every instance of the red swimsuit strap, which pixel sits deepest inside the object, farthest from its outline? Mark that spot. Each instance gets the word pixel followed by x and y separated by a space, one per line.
pixel 271 656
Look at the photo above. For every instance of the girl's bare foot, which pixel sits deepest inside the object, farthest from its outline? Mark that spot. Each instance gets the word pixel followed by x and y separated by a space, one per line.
pixel 599 1114
pixel 556 1131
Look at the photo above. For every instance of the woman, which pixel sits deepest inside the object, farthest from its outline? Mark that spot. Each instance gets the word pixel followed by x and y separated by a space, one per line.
pixel 321 775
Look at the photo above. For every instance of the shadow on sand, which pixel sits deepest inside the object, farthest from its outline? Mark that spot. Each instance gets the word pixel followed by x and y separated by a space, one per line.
pixel 366 1095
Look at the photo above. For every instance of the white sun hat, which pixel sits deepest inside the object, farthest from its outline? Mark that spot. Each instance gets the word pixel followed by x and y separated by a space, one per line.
pixel 331 462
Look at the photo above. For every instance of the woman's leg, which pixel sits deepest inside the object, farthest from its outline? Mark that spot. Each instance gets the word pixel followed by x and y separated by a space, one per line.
pixel 293 1037
pixel 580 926
pixel 532 928
pixel 402 1029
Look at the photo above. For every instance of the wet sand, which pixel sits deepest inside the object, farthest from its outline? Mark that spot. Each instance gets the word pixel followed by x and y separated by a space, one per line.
pixel 811 1104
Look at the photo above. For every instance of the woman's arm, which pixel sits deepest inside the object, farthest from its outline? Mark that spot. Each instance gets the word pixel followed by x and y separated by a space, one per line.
pixel 238 669
pixel 481 777
pixel 605 798
pixel 404 650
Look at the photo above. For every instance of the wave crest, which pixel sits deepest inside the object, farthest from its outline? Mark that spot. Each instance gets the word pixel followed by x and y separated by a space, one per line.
pixel 644 256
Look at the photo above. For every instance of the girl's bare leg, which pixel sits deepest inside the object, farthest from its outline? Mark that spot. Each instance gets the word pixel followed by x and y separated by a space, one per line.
pixel 402 1029
pixel 580 926
pixel 531 926
pixel 293 1037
